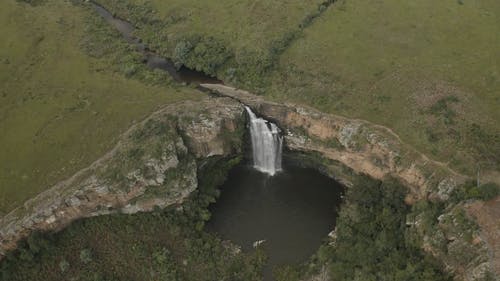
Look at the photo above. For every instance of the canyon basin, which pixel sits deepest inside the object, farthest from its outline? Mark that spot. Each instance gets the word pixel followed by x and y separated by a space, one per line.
pixel 291 213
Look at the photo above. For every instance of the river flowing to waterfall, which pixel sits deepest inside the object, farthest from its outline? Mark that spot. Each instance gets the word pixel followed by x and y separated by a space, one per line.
pixel 151 59
pixel 266 144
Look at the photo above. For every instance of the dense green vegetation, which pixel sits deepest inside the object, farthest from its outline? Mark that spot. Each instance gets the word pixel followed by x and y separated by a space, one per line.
pixel 164 245
pixel 64 98
pixel 471 190
pixel 372 240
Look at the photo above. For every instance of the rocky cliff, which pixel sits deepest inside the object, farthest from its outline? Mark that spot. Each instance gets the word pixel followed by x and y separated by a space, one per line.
pixel 154 164
pixel 362 146
pixel 374 150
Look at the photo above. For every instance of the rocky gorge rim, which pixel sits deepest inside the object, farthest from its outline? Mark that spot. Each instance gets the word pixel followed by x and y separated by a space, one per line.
pixel 360 145
pixel 190 132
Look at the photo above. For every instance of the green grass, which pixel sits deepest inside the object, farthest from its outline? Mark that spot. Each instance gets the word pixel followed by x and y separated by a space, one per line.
pixel 237 41
pixel 242 24
pixel 60 109
pixel 427 69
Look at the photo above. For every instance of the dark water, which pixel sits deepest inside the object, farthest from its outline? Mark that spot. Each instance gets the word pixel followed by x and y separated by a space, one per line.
pixel 293 211
pixel 151 59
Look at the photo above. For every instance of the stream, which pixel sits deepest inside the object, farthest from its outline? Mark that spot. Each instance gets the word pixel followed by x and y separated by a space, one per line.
pixel 151 59
pixel 287 211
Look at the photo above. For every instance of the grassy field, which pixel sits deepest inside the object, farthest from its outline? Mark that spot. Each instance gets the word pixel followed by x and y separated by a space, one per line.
pixel 60 109
pixel 237 41
pixel 243 24
pixel 427 69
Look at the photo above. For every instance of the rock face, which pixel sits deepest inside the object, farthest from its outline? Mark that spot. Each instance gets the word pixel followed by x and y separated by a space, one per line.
pixel 362 146
pixel 378 152
pixel 487 216
pixel 457 242
pixel 154 165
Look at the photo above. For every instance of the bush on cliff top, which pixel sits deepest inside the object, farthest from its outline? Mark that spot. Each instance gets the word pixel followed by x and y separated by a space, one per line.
pixel 485 192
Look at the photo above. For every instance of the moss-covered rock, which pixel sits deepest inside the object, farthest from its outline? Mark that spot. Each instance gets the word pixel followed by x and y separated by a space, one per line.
pixel 155 164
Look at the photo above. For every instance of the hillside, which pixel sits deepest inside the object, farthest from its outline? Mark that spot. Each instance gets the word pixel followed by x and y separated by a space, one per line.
pixel 61 108
pixel 427 70
pixel 122 123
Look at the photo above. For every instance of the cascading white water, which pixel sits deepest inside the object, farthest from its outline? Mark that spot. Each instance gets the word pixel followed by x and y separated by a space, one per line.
pixel 266 144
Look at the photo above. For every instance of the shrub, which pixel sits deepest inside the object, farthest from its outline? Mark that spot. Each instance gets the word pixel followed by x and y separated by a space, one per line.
pixel 181 52
pixel 280 45
pixel 484 192
pixel 470 191
pixel 372 239
pixel 129 70
pixel 86 256
pixel 205 54
pixel 442 109
pixel 64 265
pixel 286 273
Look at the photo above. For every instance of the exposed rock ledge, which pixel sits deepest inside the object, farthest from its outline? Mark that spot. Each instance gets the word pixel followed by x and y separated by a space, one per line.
pixel 154 165
pixel 360 145
pixel 377 151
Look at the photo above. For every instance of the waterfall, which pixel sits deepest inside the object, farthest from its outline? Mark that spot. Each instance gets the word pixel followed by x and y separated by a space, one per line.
pixel 266 144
